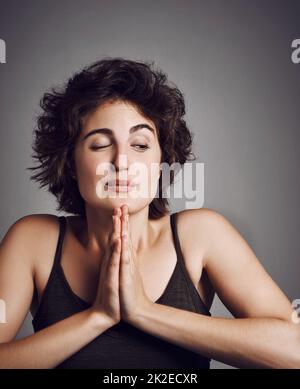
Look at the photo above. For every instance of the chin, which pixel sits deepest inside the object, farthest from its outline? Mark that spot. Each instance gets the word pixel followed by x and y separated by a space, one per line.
pixel 134 205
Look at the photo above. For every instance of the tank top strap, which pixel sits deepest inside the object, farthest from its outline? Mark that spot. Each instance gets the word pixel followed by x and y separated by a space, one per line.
pixel 198 302
pixel 178 250
pixel 54 269
pixel 176 238
pixel 62 229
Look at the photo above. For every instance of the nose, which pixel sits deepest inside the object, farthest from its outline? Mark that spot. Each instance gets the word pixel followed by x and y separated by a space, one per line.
pixel 121 160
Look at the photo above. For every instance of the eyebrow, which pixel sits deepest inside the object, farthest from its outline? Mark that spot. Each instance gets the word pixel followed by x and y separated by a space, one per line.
pixel 108 131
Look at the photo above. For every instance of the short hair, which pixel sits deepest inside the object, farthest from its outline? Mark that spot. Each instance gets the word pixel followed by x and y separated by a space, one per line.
pixel 59 124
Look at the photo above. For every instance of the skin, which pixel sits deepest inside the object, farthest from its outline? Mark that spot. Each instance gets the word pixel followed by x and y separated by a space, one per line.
pixel 125 282
pixel 119 117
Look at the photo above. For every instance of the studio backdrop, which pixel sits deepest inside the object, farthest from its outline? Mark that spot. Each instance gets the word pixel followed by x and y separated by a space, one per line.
pixel 238 65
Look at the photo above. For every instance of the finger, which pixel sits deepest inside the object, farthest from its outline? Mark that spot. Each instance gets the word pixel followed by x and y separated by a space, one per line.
pixel 128 230
pixel 112 240
pixel 128 233
pixel 125 209
pixel 112 274
pixel 124 225
pixel 126 254
pixel 116 229
pixel 125 257
pixel 117 221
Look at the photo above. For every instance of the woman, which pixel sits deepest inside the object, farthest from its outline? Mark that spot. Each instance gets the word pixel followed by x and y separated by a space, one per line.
pixel 101 300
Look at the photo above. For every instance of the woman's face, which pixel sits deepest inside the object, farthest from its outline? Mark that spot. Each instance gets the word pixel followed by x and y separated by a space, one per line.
pixel 112 146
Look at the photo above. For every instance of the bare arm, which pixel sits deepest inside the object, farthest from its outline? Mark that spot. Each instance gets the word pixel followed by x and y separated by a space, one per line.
pixel 262 334
pixel 52 345
pixel 243 343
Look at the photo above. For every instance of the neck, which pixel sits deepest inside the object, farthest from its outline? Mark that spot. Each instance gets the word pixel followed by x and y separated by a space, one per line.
pixel 99 226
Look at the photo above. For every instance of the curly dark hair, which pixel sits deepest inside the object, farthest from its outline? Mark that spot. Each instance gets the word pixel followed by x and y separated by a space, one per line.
pixel 110 79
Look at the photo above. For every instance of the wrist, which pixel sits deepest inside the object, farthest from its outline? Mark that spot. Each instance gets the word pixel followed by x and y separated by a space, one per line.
pixel 99 321
pixel 142 314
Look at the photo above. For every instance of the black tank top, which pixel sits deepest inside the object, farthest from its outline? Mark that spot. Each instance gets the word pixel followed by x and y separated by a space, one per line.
pixel 122 345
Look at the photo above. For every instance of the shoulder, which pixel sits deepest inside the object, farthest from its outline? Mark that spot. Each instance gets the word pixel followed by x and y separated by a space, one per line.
pixel 28 234
pixel 30 225
pixel 199 218
pixel 206 227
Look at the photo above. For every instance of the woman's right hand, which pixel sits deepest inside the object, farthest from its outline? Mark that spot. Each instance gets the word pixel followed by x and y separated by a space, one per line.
pixel 107 296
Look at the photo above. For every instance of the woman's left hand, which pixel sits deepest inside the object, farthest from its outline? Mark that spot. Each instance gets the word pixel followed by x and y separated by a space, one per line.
pixel 133 299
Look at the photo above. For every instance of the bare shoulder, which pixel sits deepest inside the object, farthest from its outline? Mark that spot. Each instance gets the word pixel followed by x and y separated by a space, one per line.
pixel 201 220
pixel 28 234
pixel 200 215
pixel 30 225
pixel 194 226
pixel 204 226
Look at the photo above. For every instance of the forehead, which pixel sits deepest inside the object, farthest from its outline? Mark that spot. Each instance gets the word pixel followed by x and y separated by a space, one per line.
pixel 117 115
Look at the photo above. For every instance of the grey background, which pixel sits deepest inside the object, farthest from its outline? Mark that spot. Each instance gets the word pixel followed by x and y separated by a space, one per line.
pixel 231 59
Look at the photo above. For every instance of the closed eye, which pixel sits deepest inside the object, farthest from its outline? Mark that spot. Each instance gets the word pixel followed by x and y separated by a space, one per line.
pixel 141 147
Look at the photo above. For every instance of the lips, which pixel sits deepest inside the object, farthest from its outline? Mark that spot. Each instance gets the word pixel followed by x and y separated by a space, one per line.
pixel 119 182
pixel 120 185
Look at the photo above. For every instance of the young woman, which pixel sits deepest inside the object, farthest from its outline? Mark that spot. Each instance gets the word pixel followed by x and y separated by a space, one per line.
pixel 132 291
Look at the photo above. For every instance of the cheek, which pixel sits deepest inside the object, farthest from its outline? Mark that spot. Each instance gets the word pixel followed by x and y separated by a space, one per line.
pixel 86 168
pixel 88 175
pixel 87 163
pixel 148 177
